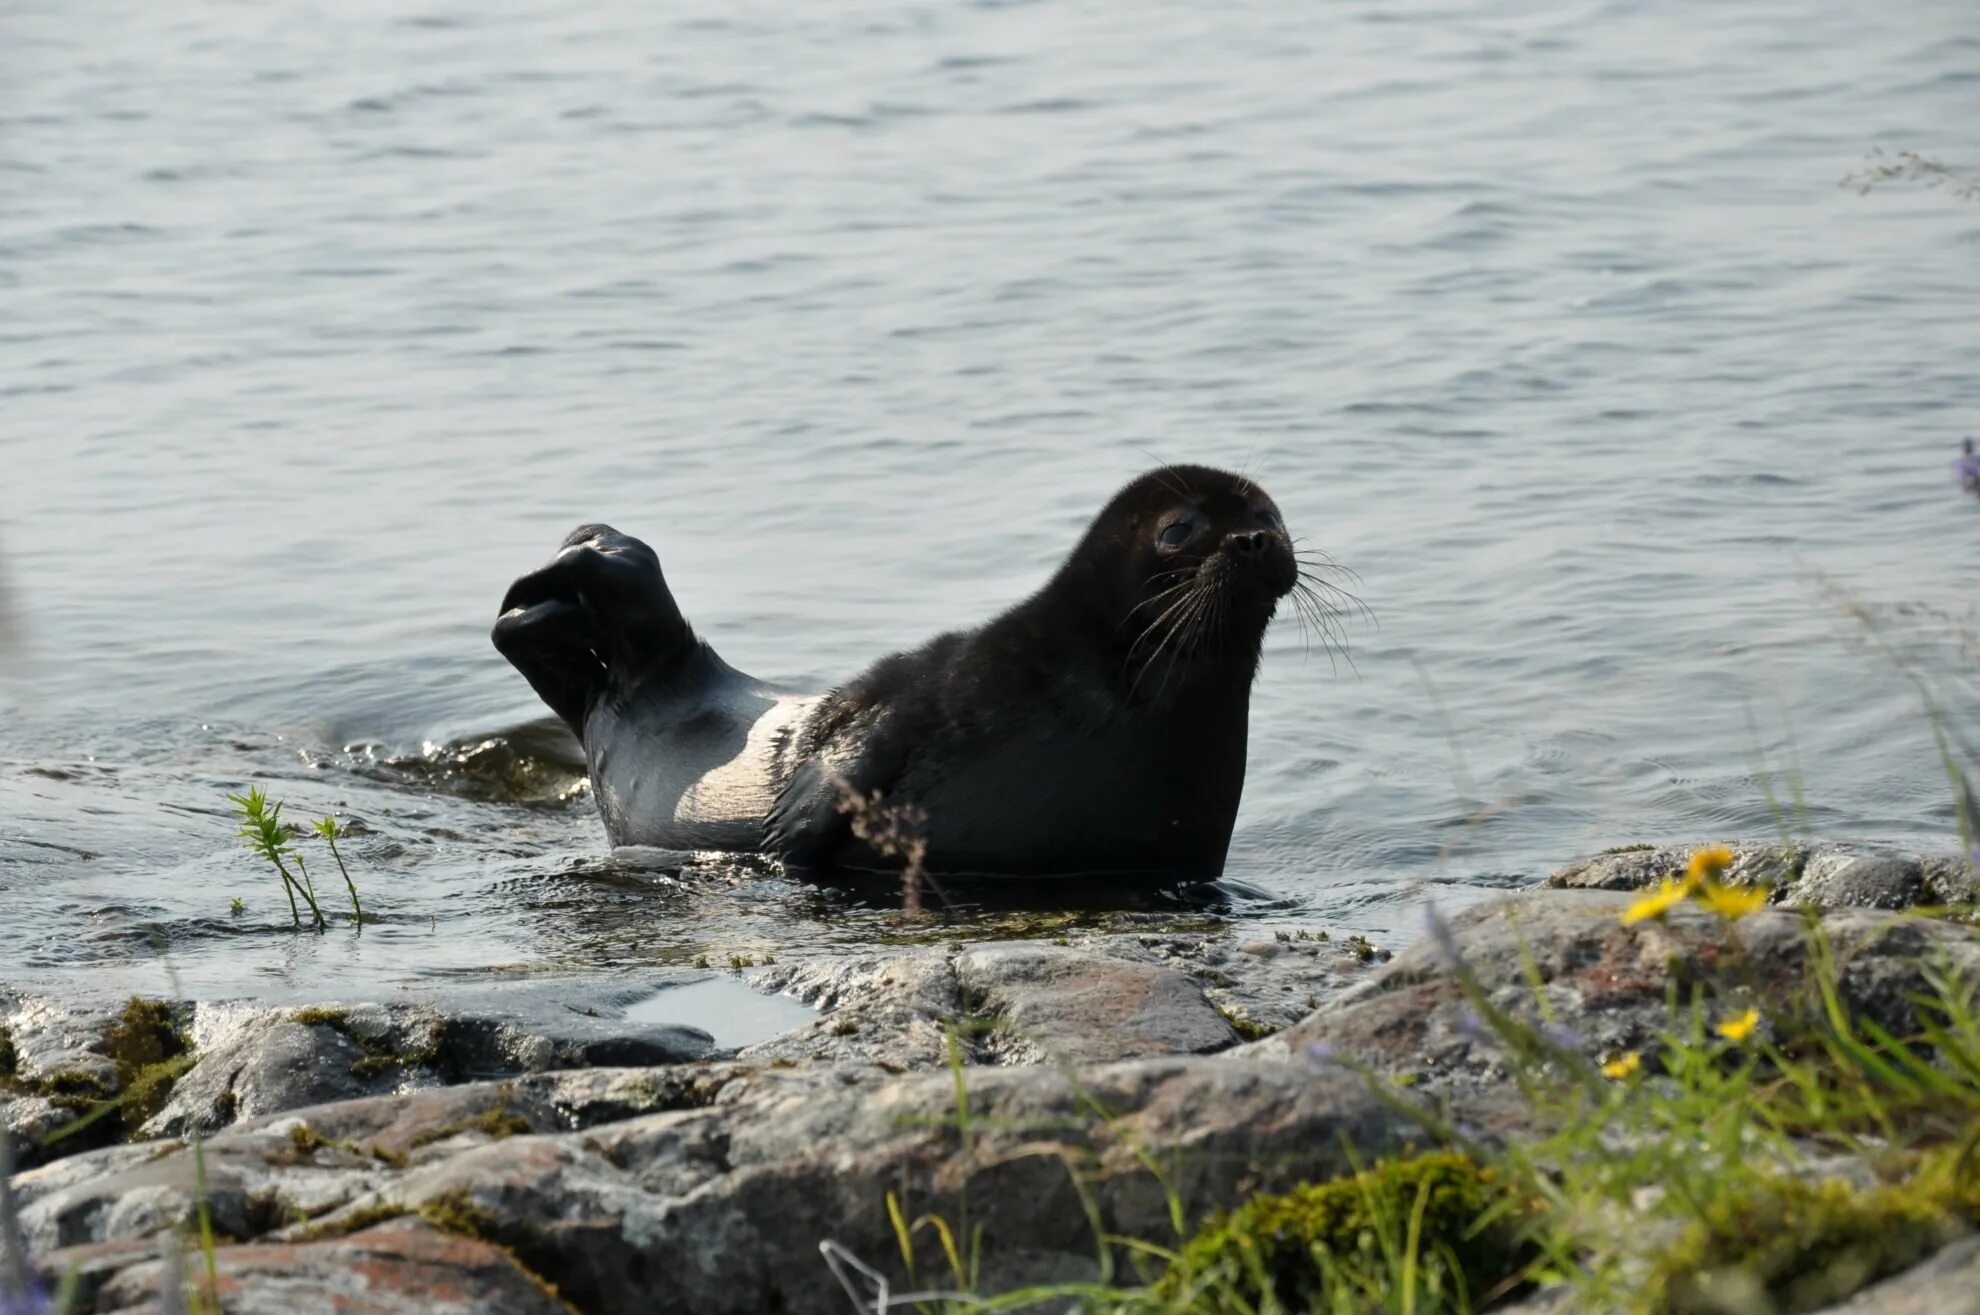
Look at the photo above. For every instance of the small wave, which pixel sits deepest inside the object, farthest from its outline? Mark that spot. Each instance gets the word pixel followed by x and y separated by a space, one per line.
pixel 537 763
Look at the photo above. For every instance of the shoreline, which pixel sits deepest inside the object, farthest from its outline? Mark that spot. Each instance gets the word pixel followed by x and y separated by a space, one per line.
pixel 538 1139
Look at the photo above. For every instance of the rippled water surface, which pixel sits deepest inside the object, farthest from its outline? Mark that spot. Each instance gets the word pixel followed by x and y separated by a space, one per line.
pixel 320 323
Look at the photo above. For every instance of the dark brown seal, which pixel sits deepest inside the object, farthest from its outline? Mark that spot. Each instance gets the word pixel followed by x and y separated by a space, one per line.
pixel 1098 727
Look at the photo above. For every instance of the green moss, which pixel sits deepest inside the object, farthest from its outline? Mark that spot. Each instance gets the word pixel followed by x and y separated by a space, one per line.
pixel 1364 949
pixel 1247 1028
pixel 1322 1242
pixel 843 1027
pixel 1788 1245
pixel 456 1213
pixel 72 1088
pixel 150 1053
pixel 356 1221
pixel 496 1122
pixel 378 1056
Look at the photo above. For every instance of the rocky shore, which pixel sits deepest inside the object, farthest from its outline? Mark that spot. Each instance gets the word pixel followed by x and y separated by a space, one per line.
pixel 539 1150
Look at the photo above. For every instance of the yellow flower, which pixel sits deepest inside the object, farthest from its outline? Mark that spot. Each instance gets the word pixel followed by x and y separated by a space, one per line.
pixel 1732 902
pixel 1667 896
pixel 1622 1066
pixel 1709 863
pixel 1740 1028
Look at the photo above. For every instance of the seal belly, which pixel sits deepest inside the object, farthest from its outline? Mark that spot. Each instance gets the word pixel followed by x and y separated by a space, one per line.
pixel 693 765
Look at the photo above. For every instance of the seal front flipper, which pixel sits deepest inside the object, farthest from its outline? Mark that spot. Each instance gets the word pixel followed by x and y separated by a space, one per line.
pixel 599 612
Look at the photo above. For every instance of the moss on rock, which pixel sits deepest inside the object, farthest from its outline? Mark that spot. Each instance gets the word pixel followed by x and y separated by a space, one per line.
pixel 10 1060
pixel 1306 1248
pixel 150 1053
pixel 1791 1245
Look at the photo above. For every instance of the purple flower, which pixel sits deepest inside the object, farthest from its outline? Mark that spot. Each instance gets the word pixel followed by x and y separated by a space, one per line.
pixel 1561 1036
pixel 31 1300
pixel 1321 1055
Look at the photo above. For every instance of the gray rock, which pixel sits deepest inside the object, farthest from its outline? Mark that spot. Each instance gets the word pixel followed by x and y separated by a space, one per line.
pixel 1947 1284
pixel 1049 1003
pixel 1606 983
pixel 1857 877
pixel 1831 874
pixel 403 1266
pixel 1635 866
pixel 895 1008
pixel 720 1204
pixel 258 1061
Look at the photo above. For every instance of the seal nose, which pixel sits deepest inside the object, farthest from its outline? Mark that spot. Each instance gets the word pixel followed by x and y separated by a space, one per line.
pixel 1247 543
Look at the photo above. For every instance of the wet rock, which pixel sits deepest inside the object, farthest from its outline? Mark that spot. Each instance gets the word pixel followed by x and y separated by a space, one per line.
pixel 1606 984
pixel 894 1008
pixel 400 1266
pixel 259 1061
pixel 1830 874
pixel 1045 1003
pixel 1632 867
pixel 1093 998
pixel 1258 994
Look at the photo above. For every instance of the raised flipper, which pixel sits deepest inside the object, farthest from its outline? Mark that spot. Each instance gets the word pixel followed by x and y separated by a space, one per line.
pixel 599 613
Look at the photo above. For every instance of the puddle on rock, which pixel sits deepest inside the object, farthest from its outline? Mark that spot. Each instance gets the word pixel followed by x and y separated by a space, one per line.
pixel 733 1012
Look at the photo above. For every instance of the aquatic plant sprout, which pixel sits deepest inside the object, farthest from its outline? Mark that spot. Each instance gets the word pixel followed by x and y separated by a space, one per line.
pixel 330 830
pixel 261 831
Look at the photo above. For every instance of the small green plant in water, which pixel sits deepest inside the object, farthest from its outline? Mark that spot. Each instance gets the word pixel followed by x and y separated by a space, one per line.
pixel 236 907
pixel 330 830
pixel 261 831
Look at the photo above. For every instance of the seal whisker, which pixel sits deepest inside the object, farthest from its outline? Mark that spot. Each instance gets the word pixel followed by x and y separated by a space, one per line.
pixel 1182 610
pixel 1172 609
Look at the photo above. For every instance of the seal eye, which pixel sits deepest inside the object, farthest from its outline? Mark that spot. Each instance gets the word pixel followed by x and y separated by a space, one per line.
pixel 1175 534
pixel 1270 519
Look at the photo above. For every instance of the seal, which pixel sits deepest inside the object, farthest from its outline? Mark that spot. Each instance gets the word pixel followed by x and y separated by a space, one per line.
pixel 1096 728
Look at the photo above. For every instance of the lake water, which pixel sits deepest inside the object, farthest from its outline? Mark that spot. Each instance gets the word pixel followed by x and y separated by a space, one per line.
pixel 318 324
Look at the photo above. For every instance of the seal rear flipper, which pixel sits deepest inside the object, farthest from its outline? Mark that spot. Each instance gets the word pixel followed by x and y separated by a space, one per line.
pixel 599 612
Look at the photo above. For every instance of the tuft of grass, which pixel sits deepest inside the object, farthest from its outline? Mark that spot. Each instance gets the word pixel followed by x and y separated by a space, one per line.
pixel 261 830
pixel 1432 1232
